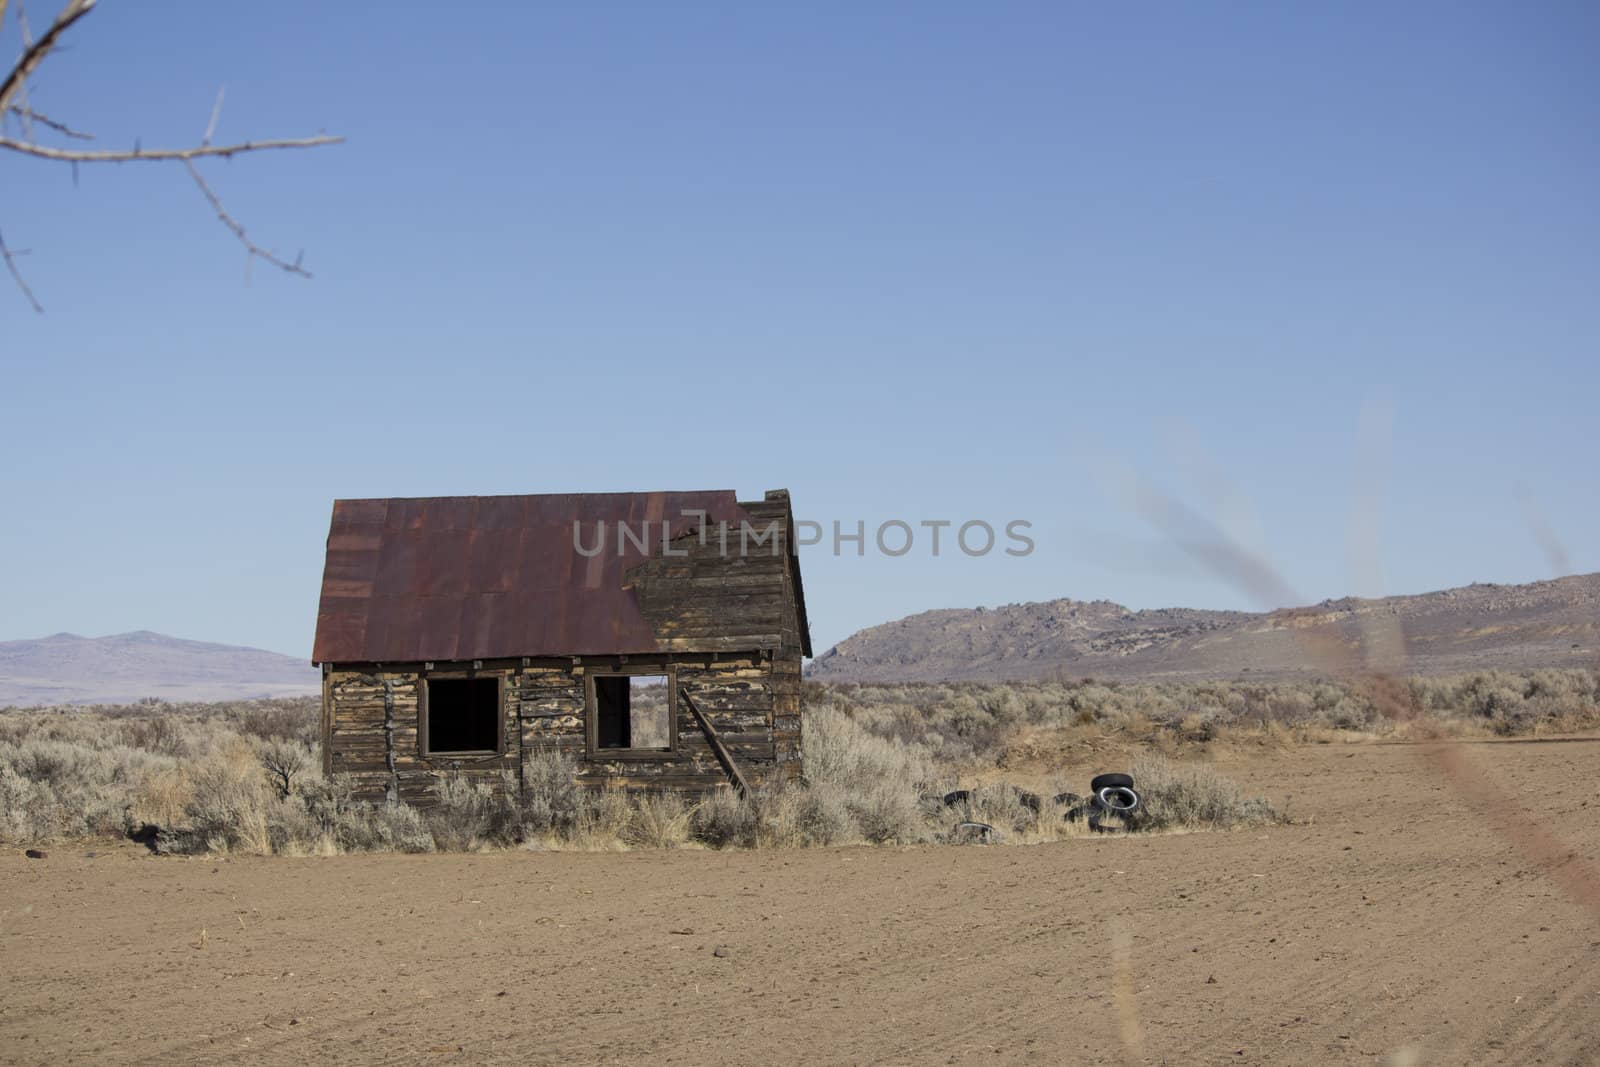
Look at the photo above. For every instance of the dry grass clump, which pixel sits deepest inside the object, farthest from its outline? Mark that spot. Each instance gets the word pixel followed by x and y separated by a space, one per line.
pixel 805 817
pixel 658 822
pixel 725 820
pixel 1191 797
pixel 997 804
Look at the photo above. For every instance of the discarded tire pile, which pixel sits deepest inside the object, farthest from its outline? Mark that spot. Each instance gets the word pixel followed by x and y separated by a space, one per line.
pixel 1112 806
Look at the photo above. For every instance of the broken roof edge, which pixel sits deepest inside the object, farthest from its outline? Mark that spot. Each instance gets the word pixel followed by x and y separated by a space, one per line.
pixel 518 496
pixel 774 496
pixel 747 645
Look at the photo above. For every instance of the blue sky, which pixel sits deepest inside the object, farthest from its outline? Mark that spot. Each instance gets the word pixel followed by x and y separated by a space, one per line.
pixel 933 261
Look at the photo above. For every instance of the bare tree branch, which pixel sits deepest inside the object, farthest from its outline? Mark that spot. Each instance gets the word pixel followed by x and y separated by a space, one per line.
pixel 45 120
pixel 231 223
pixel 25 104
pixel 14 101
pixel 34 54
pixel 158 155
pixel 11 264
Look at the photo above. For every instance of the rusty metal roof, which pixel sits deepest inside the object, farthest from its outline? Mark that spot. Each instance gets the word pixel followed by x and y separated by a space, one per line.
pixel 461 578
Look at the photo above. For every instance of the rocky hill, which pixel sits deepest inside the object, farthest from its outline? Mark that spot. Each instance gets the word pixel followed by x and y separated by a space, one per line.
pixel 68 669
pixel 1476 627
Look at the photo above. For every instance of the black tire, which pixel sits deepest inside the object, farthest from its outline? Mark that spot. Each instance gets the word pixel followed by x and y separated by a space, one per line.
pixel 1117 800
pixel 1097 827
pixel 957 796
pixel 1067 800
pixel 980 833
pixel 1075 813
pixel 1029 800
pixel 1108 781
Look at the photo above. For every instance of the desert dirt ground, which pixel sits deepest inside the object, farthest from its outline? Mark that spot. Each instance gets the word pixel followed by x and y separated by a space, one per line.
pixel 1390 927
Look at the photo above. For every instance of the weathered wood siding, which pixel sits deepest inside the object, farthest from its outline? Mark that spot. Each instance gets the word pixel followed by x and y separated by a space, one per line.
pixel 723 589
pixel 751 698
pixel 374 725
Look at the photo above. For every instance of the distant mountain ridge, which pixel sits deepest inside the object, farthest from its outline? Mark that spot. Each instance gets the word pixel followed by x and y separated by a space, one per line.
pixel 1476 627
pixel 68 669
pixel 1552 623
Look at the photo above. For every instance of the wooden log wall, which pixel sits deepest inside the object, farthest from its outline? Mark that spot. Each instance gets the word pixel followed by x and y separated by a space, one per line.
pixel 751 698
pixel 786 709
pixel 374 735
pixel 723 594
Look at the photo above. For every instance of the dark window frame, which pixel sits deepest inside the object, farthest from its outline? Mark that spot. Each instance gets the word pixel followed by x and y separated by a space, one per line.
pixel 591 716
pixel 425 752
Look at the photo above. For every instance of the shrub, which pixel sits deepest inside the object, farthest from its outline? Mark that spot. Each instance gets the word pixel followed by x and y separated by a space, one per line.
pixel 603 818
pixel 797 816
pixel 286 763
pixel 397 828
pixel 350 825
pixel 291 719
pixel 1174 797
pixel 998 804
pixel 469 815
pixel 243 776
pixel 551 801
pixel 877 781
pixel 724 819
pixel 657 822
pixel 52 787
pixel 161 735
pixel 226 811
pixel 889 815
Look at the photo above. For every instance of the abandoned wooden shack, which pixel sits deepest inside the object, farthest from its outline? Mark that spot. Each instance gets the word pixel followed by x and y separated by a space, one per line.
pixel 656 637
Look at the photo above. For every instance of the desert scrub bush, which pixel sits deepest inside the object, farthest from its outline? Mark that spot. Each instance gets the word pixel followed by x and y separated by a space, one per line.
pixel 973 723
pixel 798 817
pixel 889 816
pixel 1175 797
pixel 53 788
pixel 839 753
pixel 287 764
pixel 339 822
pixel 998 804
pixel 551 801
pixel 657 822
pixel 877 780
pixel 603 819
pixel 227 810
pixel 1512 703
pixel 288 719
pixel 162 734
pixel 724 819
pixel 469 815
pixel 392 827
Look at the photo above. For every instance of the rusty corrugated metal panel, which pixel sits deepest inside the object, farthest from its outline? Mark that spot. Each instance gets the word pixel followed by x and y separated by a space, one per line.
pixel 459 578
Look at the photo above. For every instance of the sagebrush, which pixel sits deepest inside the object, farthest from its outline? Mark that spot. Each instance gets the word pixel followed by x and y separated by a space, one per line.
pixel 246 776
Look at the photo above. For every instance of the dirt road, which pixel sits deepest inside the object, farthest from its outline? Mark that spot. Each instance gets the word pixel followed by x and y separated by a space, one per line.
pixel 1393 928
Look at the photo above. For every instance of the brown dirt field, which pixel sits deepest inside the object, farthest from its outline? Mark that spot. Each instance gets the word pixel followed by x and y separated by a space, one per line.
pixel 1369 935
